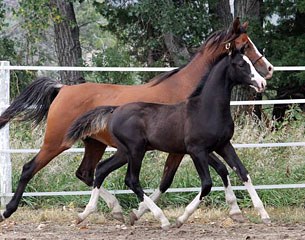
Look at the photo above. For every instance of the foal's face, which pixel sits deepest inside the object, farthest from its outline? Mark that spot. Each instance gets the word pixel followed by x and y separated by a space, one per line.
pixel 245 73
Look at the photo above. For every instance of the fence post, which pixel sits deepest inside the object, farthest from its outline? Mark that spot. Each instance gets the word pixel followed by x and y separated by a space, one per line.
pixel 5 159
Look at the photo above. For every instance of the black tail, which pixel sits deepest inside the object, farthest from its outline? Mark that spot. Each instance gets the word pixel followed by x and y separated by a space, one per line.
pixel 33 102
pixel 88 124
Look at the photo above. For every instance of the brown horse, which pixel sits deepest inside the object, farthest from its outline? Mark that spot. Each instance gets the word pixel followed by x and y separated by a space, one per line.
pixel 197 126
pixel 62 104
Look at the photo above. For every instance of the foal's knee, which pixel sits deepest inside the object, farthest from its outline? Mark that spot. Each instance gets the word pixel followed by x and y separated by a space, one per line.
pixel 206 188
pixel 242 173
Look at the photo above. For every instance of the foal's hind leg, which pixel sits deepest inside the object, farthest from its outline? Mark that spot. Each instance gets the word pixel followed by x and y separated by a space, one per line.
pixel 235 212
pixel 103 169
pixel 171 165
pixel 45 155
pixel 230 156
pixel 200 159
pixel 94 151
pixel 132 180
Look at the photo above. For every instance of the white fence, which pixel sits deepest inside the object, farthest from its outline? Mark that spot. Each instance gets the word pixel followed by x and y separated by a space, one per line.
pixel 5 151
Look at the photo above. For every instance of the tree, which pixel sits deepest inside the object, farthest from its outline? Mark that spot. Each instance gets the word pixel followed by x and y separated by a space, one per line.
pixel 286 43
pixel 158 32
pixel 67 43
pixel 248 10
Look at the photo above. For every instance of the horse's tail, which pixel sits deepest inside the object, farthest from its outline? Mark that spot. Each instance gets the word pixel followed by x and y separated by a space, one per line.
pixel 33 102
pixel 88 124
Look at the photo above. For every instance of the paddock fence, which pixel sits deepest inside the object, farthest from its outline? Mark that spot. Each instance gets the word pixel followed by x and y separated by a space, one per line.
pixel 5 151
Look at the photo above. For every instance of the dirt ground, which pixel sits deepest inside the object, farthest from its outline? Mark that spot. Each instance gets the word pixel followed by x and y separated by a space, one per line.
pixel 54 224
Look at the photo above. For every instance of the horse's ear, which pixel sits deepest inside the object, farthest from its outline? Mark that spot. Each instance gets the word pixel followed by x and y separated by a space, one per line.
pixel 245 25
pixel 236 25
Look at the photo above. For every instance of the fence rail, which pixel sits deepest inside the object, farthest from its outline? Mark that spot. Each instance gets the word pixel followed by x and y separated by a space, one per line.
pixel 5 151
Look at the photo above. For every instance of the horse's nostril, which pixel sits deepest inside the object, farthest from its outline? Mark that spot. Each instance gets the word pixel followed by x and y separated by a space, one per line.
pixel 269 68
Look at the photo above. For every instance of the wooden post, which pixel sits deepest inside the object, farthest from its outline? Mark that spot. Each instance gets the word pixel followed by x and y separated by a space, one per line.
pixel 5 159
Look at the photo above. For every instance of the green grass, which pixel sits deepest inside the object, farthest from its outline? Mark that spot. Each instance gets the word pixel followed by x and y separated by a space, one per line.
pixel 266 166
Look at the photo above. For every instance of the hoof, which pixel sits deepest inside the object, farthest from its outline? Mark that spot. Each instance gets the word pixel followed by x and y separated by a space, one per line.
pixel 79 220
pixel 2 218
pixel 118 216
pixel 238 217
pixel 166 227
pixel 266 221
pixel 178 223
pixel 132 218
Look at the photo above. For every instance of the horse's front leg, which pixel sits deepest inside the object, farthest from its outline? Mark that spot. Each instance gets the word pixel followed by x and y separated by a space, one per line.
pixel 170 168
pixel 200 159
pixel 230 156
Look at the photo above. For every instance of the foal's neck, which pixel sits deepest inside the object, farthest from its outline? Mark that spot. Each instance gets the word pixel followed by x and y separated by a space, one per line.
pixel 216 93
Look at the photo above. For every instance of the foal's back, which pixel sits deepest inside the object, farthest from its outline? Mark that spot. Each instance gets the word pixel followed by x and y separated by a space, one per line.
pixel 158 126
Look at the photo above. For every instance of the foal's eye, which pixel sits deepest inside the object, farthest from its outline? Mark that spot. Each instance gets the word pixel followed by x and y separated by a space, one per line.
pixel 241 64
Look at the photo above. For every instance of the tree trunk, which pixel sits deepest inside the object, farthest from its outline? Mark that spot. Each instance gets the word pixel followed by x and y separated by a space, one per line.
pixel 246 10
pixel 178 52
pixel 221 10
pixel 67 43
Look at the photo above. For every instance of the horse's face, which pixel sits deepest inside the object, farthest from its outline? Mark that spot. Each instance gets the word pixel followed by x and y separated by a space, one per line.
pixel 243 72
pixel 242 40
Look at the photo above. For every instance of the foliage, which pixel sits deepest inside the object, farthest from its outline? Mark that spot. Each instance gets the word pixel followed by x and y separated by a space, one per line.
pixel 113 57
pixel 140 25
pixel 286 39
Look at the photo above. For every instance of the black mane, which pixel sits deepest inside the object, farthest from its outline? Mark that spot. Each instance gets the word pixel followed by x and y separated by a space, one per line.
pixel 203 80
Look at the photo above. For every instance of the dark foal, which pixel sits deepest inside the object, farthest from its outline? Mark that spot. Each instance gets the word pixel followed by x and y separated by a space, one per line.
pixel 198 126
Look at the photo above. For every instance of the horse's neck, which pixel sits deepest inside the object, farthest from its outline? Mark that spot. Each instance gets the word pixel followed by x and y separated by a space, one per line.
pixel 190 75
pixel 198 67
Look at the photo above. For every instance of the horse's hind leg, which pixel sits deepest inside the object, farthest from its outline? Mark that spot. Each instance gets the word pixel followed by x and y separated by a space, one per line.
pixel 230 156
pixel 44 156
pixel 94 151
pixel 235 212
pixel 170 168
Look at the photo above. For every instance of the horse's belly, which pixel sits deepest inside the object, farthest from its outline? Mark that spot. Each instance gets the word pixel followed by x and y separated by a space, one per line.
pixel 104 137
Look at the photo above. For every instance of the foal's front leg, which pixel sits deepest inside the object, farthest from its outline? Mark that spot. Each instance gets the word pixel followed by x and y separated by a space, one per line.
pixel 230 156
pixel 172 163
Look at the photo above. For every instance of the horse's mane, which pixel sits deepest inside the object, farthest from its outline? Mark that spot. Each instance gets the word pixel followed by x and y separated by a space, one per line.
pixel 217 38
pixel 203 80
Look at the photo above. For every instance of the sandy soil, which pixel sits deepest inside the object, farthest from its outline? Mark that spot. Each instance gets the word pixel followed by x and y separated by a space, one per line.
pixel 57 224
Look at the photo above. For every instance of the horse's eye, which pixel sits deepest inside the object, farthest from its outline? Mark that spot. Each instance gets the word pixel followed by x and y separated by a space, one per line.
pixel 241 64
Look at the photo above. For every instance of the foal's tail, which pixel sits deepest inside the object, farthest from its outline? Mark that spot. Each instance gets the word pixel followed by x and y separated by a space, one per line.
pixel 88 124
pixel 33 102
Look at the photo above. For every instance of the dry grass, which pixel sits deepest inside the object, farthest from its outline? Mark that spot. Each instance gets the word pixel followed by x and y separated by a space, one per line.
pixel 202 215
